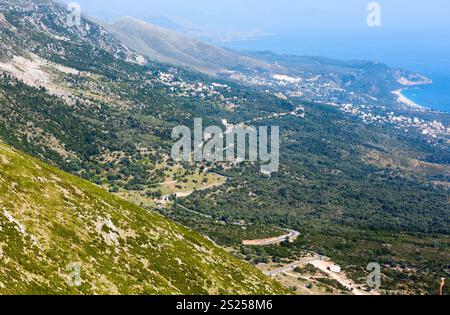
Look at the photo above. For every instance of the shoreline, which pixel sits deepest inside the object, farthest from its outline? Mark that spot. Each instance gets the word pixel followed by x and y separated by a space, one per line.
pixel 406 101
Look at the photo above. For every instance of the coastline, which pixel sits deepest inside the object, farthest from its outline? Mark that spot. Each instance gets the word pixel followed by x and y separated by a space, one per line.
pixel 406 101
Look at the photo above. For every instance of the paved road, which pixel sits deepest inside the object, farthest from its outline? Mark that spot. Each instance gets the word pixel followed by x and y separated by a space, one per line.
pixel 194 212
pixel 293 265
pixel 298 112
pixel 319 262
pixel 291 235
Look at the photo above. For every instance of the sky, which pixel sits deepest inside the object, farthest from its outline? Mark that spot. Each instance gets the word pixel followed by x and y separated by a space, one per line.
pixel 409 31
pixel 280 15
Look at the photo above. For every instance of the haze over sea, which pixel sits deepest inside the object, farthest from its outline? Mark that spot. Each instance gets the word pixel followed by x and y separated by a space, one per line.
pixel 430 58
pixel 414 34
pixel 435 96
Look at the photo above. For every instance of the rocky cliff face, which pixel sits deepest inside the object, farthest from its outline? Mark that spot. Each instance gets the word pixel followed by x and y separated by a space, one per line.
pixel 44 27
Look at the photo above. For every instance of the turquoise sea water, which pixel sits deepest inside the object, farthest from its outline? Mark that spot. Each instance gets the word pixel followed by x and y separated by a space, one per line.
pixel 436 95
pixel 427 53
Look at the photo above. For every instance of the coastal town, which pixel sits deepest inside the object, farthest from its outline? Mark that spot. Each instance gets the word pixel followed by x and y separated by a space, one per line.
pixel 315 89
pixel 431 129
pixel 189 89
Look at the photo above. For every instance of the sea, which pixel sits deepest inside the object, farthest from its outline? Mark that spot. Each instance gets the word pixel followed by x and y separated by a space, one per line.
pixel 435 96
pixel 423 53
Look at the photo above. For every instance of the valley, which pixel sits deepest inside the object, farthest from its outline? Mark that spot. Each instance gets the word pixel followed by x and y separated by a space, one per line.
pixel 362 177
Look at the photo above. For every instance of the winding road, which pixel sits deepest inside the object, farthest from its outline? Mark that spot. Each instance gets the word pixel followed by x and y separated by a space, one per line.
pixel 294 265
pixel 290 236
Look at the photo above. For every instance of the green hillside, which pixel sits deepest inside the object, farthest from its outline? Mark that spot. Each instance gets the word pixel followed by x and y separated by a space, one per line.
pixel 50 220
pixel 361 184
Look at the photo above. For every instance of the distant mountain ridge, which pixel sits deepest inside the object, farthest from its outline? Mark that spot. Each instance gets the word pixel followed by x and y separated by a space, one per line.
pixel 167 46
pixel 78 98
pixel 259 68
pixel 50 221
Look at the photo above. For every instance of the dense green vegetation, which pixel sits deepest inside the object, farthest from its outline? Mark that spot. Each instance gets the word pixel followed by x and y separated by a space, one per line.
pixel 113 128
pixel 49 220
pixel 344 208
pixel 324 177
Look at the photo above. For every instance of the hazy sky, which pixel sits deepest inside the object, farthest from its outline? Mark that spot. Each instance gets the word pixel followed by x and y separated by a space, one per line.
pixel 335 28
pixel 281 15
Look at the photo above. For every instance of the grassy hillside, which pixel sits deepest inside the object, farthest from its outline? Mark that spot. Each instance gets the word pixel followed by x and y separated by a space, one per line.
pixel 77 99
pixel 170 47
pixel 49 220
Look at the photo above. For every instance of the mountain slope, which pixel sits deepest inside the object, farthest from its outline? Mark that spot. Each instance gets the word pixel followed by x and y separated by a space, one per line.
pixel 69 97
pixel 371 77
pixel 167 46
pixel 345 81
pixel 49 220
pixel 42 27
